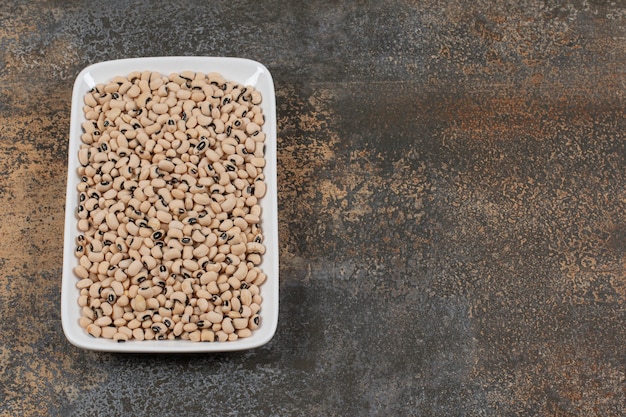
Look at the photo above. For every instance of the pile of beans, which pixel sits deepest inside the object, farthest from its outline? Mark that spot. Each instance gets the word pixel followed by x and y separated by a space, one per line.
pixel 170 242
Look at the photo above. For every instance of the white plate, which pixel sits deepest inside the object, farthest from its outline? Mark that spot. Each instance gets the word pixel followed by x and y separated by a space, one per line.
pixel 241 70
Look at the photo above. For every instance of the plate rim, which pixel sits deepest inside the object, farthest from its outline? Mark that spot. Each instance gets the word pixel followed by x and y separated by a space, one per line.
pixel 75 334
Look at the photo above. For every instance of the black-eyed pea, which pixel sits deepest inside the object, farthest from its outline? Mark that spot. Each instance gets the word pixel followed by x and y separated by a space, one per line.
pixel 125 330
pixel 103 268
pixel 152 303
pixel 260 188
pixel 90 100
pixel 149 262
pixel 203 294
pixel 89 312
pixel 226 307
pixel 94 330
pixel 133 324
pixel 227 325
pixel 216 326
pixel 190 327
pixel 84 322
pixel 260 279
pixel 148 334
pixel 212 156
pixel 255 247
pixel 240 222
pixel 178 328
pixel 187 286
pixel 246 311
pixel 251 201
pixel 160 108
pixel 133 291
pixel 202 198
pixel 83 185
pixel 156 317
pixel 157 253
pixel 240 323
pixel 133 92
pixel 224 179
pixel 216 301
pixel 208 277
pixel 94 290
pixel 215 256
pixel 245 296
pixel 103 321
pixel 188 312
pixel 195 336
pixel 234 283
pixel 255 97
pixel 144 232
pixel 93 271
pixel 187 254
pixel 123 300
pixel 85 263
pixel 85 282
pixel 243 333
pixel 259 119
pixel 162 300
pixel 159 328
pixel 163 216
pixel 207 336
pixel 120 337
pixel 120 275
pixel 138 303
pixel 224 286
pixel 182 94
pixel 135 267
pixel 171 254
pixel 254 289
pixel 83 300
pixel 221 336
pixel 254 322
pixel 168 322
pixel 179 297
pixel 251 218
pixel 242 272
pixel 203 305
pixel 224 249
pixel 95 257
pixel 145 287
pixel 255 258
pixel 175 266
pixel 252 128
pixel 212 287
pixel 235 304
pixel 237 250
pixel 108 332
pixel 138 334
pixel 177 193
pixel 214 317
pixel 107 310
pixel 176 207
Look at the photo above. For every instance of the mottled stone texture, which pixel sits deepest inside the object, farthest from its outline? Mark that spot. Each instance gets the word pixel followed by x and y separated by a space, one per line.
pixel 452 192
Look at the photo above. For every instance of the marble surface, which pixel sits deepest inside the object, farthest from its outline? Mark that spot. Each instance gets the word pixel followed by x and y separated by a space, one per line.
pixel 452 194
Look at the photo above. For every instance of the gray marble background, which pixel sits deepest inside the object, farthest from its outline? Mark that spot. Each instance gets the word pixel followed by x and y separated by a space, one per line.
pixel 452 196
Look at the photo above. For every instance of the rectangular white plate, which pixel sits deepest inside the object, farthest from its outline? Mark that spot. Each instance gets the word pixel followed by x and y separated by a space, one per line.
pixel 243 71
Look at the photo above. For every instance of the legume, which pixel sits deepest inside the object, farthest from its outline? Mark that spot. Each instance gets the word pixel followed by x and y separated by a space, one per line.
pixel 171 173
